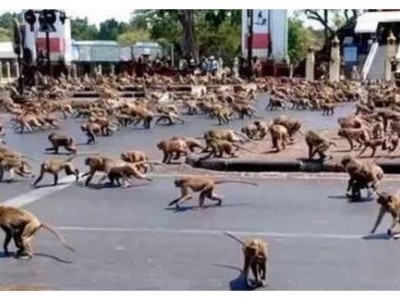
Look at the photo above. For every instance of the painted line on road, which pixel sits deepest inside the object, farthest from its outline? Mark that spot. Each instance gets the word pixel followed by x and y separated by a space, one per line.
pixel 38 193
pixel 213 232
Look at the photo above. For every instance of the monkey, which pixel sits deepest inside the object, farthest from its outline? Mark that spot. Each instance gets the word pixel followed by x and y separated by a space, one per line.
pixel 292 125
pixel 255 253
pixel 223 115
pixel 61 140
pixel 317 144
pixel 359 135
pixel 99 164
pixel 170 147
pixel 328 108
pixel 251 131
pixel 91 130
pixel 54 167
pixel 275 102
pixel 191 143
pixel 171 117
pixel 227 134
pixel 14 164
pixel 203 184
pixel 219 147
pixel 374 144
pixel 370 173
pixel 389 204
pixel 279 135
pixel 23 225
pixel 263 129
pixel 134 157
pixel 124 171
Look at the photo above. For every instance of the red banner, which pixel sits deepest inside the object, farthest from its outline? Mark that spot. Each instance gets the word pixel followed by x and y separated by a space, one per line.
pixel 260 40
pixel 56 45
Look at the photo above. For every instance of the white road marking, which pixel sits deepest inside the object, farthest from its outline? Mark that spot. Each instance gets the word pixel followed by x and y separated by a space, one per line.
pixel 214 232
pixel 39 193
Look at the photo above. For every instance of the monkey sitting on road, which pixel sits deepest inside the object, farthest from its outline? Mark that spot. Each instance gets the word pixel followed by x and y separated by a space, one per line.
pixel 203 184
pixel 255 253
pixel 23 225
pixel 61 140
pixel 389 204
pixel 54 167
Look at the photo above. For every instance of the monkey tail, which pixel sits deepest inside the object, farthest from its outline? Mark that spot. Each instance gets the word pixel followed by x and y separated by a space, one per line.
pixel 234 237
pixel 59 236
pixel 243 148
pixel 221 181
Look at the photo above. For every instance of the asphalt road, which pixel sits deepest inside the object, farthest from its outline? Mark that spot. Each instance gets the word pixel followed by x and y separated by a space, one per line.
pixel 126 239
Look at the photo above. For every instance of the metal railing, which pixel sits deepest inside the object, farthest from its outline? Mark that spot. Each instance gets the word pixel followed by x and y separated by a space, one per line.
pixel 368 62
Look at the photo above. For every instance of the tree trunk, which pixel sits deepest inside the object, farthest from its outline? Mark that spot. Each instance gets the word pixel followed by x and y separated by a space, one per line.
pixel 189 48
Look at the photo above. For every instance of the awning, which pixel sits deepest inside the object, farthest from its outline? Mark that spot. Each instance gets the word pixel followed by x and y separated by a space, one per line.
pixel 366 26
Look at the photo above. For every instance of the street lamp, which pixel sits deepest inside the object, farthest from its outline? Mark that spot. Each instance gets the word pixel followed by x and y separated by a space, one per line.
pixel 250 21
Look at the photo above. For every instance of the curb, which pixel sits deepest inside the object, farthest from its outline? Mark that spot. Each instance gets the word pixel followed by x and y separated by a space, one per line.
pixel 259 165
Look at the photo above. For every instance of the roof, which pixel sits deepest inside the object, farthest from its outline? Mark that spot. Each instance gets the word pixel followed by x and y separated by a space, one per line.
pixel 368 22
pixel 94 43
pixel 6 50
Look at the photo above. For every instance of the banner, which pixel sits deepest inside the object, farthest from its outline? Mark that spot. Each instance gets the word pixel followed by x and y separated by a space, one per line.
pixel 260 29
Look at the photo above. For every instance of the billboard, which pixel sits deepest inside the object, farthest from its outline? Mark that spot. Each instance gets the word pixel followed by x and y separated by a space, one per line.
pixel 270 31
pixel 260 28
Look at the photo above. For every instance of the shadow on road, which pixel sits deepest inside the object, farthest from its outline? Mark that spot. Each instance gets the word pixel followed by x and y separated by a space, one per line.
pixel 237 284
pixel 54 258
pixel 379 236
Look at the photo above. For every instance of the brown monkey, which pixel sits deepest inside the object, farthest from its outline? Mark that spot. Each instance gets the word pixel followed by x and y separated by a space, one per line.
pixel 255 253
pixel 389 204
pixel 251 131
pixel 14 164
pixel 275 102
pixel 203 184
pixel 263 129
pixel 367 172
pixel 23 225
pixel 91 130
pixel 328 108
pixel 99 164
pixel 226 134
pixel 171 147
pixel 125 171
pixel 135 157
pixel 279 136
pixel 374 144
pixel 192 143
pixel 358 135
pixel 54 167
pixel 61 140
pixel 292 125
pixel 317 144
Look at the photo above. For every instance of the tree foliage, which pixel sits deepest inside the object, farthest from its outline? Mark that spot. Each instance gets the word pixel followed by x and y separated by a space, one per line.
pixel 300 39
pixel 82 30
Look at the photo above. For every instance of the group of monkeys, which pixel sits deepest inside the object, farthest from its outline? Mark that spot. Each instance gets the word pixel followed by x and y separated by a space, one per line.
pixel 104 116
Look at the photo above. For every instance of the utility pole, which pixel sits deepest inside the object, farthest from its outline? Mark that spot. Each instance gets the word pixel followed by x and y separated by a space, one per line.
pixel 250 21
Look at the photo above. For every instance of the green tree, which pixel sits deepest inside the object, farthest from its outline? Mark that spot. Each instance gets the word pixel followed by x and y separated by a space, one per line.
pixel 300 39
pixel 110 29
pixel 133 35
pixel 5 35
pixel 82 30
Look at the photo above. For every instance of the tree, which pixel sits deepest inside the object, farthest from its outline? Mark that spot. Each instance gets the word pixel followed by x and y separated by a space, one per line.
pixel 5 35
pixel 187 18
pixel 332 19
pixel 300 39
pixel 110 29
pixel 134 35
pixel 82 30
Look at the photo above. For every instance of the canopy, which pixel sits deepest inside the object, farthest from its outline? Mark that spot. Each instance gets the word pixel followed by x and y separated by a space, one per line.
pixel 368 22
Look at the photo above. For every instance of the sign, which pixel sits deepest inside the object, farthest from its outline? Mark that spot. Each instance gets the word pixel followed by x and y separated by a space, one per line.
pixel 350 54
pixel 260 28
